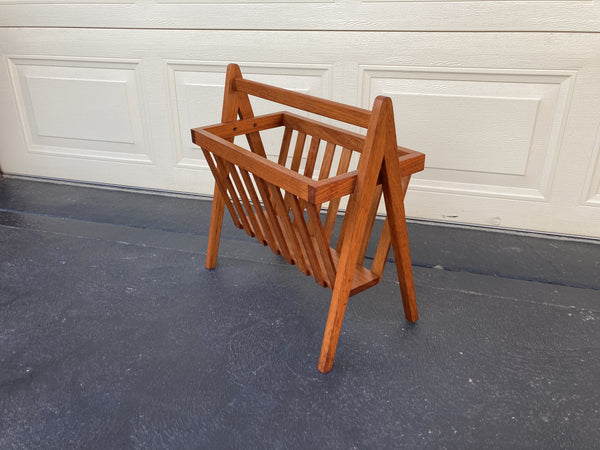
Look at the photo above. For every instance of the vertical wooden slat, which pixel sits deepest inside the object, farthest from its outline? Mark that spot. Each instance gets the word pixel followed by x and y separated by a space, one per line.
pixel 241 189
pixel 285 146
pixel 314 223
pixel 311 158
pixel 327 161
pixel 220 184
pixel 326 164
pixel 298 150
pixel 296 160
pixel 233 196
pixel 306 240
pixel 334 205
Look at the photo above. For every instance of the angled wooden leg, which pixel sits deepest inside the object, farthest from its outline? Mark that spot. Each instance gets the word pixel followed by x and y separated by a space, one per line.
pixel 381 135
pixel 214 233
pixel 399 237
pixel 228 114
pixel 357 222
pixel 337 309
pixel 341 288
pixel 404 270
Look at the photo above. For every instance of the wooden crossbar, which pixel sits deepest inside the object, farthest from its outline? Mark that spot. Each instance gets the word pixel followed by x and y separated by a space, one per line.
pixel 291 203
pixel 305 102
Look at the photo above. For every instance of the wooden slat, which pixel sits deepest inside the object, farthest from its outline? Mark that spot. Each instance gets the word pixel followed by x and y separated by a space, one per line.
pixel 334 204
pixel 241 189
pixel 370 223
pixel 295 164
pixel 305 240
pixel 311 161
pixel 271 215
pixel 221 186
pixel 222 166
pixel 322 107
pixel 311 158
pixel 327 161
pixel 288 229
pixel 260 214
pixel 325 258
pixel 325 132
pixel 385 240
pixel 285 146
pixel 383 250
pixel 326 164
pixel 298 150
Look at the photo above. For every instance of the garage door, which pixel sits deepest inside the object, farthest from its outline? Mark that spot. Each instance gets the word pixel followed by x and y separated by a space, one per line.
pixel 502 96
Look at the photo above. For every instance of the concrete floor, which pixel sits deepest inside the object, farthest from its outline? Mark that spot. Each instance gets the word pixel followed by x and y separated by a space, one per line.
pixel 113 335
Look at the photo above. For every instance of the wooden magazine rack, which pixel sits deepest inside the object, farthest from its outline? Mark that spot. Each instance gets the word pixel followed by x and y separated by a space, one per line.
pixel 291 205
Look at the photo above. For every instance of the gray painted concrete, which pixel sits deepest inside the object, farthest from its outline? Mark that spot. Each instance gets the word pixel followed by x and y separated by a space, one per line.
pixel 113 335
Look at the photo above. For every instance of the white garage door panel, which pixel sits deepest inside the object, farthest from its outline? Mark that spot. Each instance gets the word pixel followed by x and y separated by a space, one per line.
pixel 481 134
pixel 81 108
pixel 78 97
pixel 497 131
pixel 509 121
pixel 197 96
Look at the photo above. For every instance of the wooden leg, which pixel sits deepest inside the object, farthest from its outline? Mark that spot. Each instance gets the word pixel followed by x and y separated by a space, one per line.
pixel 399 236
pixel 404 270
pixel 381 135
pixel 345 274
pixel 214 233
pixel 337 309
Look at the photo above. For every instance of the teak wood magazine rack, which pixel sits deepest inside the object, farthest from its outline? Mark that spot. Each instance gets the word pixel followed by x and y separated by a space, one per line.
pixel 282 203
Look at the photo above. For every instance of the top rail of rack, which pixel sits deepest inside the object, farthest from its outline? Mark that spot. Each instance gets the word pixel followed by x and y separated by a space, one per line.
pixel 323 107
